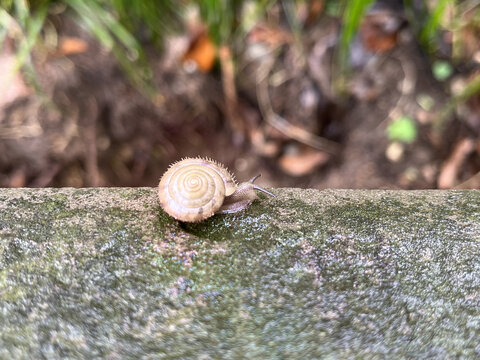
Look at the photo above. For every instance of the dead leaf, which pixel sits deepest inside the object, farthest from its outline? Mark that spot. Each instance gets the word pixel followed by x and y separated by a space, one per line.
pixel 71 45
pixel 315 8
pixel 303 162
pixel 379 30
pixel 262 146
pixel 270 35
pixel 201 53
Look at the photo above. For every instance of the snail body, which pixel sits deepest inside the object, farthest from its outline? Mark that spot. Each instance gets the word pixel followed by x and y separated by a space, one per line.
pixel 194 189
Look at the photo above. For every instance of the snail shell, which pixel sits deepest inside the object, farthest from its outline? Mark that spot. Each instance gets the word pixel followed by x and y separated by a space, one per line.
pixel 194 189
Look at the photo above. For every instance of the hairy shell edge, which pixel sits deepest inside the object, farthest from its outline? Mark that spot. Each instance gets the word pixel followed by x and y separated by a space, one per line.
pixel 174 198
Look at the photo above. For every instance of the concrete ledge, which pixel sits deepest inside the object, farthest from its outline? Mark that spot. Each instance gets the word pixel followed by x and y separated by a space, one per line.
pixel 88 273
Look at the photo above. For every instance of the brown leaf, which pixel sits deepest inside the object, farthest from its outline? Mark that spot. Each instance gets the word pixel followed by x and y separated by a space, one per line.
pixel 303 162
pixel 315 8
pixel 202 52
pixel 72 45
pixel 379 30
pixel 270 35
pixel 262 146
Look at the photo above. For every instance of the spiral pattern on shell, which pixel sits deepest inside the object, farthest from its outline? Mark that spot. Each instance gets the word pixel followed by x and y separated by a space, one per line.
pixel 193 189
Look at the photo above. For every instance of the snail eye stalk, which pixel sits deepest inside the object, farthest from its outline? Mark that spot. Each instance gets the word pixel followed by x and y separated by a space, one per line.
pixel 259 188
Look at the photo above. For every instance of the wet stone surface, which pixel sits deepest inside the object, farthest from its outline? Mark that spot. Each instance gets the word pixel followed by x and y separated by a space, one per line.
pixel 88 273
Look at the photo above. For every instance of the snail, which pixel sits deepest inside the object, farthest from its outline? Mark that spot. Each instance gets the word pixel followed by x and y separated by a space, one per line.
pixel 194 189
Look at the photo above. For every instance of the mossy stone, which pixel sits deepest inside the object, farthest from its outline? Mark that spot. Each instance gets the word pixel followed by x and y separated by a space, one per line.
pixel 105 273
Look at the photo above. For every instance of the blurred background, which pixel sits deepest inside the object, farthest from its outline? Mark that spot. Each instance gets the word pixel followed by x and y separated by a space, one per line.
pixel 309 93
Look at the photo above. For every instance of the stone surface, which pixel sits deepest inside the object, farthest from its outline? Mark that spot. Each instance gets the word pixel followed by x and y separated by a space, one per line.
pixel 105 273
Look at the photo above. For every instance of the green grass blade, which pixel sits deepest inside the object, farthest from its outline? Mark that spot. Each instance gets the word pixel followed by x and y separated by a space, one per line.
pixel 6 22
pixel 116 38
pixel 93 23
pixel 33 26
pixel 21 11
pixel 103 23
pixel 352 16
pixel 429 32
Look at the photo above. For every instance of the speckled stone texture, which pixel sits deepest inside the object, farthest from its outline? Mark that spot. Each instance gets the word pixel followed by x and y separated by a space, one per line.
pixel 105 273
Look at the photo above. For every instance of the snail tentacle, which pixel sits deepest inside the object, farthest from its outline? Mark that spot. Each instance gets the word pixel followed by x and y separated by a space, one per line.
pixel 259 188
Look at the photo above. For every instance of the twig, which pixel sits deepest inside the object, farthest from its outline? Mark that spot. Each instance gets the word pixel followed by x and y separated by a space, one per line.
pixel 46 176
pixel 280 123
pixel 406 90
pixel 90 132
pixel 229 90
pixel 448 174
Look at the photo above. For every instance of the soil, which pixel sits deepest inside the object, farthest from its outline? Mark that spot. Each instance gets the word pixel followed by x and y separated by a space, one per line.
pixel 89 126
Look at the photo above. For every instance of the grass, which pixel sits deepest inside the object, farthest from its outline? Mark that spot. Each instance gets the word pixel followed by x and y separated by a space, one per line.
pixel 115 37
pixel 24 25
pixel 351 18
pixel 119 24
pixel 430 31
pixel 114 23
